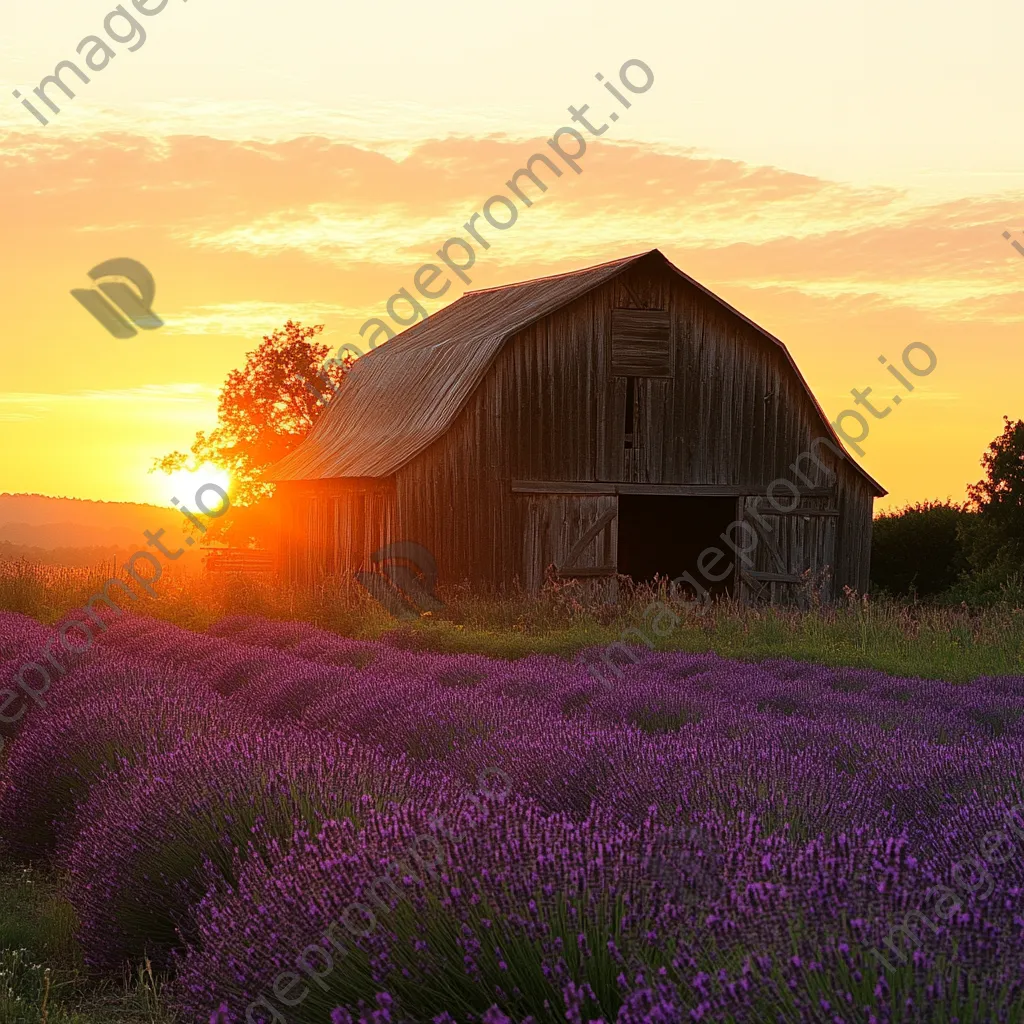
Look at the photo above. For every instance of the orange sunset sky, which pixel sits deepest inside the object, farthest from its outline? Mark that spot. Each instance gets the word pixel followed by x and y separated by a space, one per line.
pixel 843 174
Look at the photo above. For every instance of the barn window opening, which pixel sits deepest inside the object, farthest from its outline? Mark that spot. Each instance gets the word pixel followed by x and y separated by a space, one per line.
pixel 628 433
pixel 670 536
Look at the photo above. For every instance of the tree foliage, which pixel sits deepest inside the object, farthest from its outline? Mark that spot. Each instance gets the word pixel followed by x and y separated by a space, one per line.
pixel 994 540
pixel 973 552
pixel 999 497
pixel 264 412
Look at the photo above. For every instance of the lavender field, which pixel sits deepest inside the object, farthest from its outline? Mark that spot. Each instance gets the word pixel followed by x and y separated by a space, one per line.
pixel 295 826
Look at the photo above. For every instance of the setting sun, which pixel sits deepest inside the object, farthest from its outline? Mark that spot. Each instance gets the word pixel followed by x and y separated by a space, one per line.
pixel 183 484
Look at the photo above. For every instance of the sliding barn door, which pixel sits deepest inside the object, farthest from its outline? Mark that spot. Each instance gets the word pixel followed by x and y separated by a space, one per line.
pixel 794 553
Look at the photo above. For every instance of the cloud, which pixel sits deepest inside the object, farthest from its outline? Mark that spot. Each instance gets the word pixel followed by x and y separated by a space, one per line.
pixel 177 392
pixel 242 235
pixel 246 318
pixel 17 406
pixel 314 205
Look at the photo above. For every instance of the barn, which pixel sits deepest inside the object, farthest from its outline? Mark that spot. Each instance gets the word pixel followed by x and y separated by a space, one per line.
pixel 620 419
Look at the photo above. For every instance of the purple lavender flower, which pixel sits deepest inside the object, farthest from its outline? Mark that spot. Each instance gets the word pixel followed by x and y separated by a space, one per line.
pixel 700 839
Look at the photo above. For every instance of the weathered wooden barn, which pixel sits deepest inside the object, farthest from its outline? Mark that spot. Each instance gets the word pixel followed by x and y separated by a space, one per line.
pixel 617 419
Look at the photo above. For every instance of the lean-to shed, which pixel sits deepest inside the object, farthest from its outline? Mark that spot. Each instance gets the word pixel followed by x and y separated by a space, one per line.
pixel 617 419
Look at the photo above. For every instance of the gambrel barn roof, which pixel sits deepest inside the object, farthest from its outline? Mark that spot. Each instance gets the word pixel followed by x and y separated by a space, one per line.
pixel 403 396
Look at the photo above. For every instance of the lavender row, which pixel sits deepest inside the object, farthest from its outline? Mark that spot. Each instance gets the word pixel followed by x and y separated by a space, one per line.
pixel 702 839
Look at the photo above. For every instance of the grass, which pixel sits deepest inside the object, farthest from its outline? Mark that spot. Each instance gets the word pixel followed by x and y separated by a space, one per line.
pixel 905 639
pixel 42 976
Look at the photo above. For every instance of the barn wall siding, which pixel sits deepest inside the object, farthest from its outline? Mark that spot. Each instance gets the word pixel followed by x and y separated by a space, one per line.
pixel 333 526
pixel 551 409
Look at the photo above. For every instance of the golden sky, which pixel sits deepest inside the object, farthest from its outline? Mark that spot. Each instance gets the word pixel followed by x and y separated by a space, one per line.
pixel 841 176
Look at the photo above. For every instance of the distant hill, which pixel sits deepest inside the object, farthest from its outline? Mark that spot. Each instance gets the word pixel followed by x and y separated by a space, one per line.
pixel 74 531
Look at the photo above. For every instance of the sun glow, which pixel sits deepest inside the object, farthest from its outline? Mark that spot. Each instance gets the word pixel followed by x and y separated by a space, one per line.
pixel 183 485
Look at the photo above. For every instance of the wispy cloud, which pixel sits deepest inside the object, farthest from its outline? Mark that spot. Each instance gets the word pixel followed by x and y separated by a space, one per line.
pixel 252 319
pixel 17 406
pixel 243 234
pixel 188 392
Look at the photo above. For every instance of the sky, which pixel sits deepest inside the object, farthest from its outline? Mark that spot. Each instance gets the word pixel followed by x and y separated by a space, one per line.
pixel 842 174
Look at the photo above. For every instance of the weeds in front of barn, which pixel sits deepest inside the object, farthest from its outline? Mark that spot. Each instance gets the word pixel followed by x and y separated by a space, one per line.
pixel 901 638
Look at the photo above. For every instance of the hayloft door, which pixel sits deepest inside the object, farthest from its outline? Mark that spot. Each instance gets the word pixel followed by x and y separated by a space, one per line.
pixel 639 397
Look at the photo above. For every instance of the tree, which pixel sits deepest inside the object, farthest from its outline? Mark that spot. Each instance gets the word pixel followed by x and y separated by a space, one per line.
pixel 264 411
pixel 994 540
pixel 999 498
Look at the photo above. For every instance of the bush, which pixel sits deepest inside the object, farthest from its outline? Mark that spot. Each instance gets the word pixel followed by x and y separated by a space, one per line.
pixel 918 550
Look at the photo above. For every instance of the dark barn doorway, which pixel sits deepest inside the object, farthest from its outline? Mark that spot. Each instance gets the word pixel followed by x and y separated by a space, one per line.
pixel 666 535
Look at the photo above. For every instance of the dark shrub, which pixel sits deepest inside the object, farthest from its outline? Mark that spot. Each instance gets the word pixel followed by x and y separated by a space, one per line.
pixel 918 549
